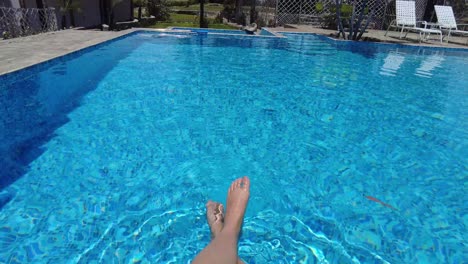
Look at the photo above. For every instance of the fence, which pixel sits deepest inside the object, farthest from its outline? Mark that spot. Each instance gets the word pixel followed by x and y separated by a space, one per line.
pixel 313 12
pixel 266 11
pixel 16 22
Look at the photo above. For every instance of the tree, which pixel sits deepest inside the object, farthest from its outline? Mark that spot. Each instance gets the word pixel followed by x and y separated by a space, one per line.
pixel 203 23
pixel 357 25
pixel 239 13
pixel 158 9
pixel 107 8
pixel 139 4
pixel 229 10
pixel 253 12
pixel 69 6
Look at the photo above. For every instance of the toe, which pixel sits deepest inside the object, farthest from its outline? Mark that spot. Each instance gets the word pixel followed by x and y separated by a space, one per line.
pixel 238 182
pixel 212 208
pixel 245 182
pixel 221 208
pixel 233 185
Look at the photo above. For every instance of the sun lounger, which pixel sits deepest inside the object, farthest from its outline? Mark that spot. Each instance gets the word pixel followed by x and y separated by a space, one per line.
pixel 446 21
pixel 406 19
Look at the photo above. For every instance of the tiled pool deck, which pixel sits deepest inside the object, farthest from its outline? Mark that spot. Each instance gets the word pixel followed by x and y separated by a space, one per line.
pixel 22 52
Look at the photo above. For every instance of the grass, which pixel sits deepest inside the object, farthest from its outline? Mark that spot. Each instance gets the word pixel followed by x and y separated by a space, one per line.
pixel 183 20
pixel 208 7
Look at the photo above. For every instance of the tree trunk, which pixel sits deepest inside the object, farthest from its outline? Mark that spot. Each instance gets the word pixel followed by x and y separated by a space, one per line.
pixel 338 19
pixel 64 21
pixel 64 16
pixel 202 14
pixel 40 5
pixel 139 13
pixel 103 11
pixel 71 13
pixel 253 13
pixel 239 4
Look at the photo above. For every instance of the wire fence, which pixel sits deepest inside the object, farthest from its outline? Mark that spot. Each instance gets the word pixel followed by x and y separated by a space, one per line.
pixel 314 12
pixel 17 22
pixel 266 12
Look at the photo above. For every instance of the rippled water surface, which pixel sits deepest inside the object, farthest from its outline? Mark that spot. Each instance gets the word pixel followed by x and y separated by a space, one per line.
pixel 357 153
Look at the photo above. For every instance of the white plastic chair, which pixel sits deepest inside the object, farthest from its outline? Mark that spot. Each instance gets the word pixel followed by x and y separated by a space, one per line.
pixel 446 21
pixel 406 19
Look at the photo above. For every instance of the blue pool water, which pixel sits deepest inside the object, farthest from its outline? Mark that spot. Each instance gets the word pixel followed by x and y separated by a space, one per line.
pixel 109 154
pixel 212 30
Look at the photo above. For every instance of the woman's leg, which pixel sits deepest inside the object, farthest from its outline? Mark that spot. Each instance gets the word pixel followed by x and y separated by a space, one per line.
pixel 223 247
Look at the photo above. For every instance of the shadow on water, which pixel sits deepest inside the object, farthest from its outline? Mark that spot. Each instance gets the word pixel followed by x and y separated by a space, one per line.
pixel 360 48
pixel 34 102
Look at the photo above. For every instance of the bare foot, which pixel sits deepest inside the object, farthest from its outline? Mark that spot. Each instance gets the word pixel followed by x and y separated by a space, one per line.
pixel 238 196
pixel 215 217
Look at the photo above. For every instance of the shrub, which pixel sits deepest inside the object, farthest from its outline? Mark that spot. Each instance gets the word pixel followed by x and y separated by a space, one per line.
pixel 159 9
pixel 229 10
pixel 6 35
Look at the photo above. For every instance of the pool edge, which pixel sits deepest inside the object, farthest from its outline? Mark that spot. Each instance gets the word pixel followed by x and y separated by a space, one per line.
pixel 41 61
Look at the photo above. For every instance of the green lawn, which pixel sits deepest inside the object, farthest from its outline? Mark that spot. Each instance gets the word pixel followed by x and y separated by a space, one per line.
pixel 183 20
pixel 208 7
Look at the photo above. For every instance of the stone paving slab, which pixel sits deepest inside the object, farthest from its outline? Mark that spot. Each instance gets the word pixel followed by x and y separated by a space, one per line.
pixel 392 36
pixel 22 52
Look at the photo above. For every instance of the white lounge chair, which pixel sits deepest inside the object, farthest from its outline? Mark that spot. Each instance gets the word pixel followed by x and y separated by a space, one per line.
pixel 446 21
pixel 406 19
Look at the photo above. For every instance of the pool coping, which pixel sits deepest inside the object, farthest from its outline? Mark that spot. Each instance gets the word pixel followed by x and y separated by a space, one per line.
pixel 88 44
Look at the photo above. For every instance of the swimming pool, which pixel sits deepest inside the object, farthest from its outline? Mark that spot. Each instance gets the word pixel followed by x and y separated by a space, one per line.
pixel 110 154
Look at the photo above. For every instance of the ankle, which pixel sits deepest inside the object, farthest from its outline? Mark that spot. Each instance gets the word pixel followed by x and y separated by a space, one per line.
pixel 231 230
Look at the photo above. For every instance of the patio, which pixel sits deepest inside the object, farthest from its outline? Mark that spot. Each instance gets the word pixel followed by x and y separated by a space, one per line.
pixel 22 52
